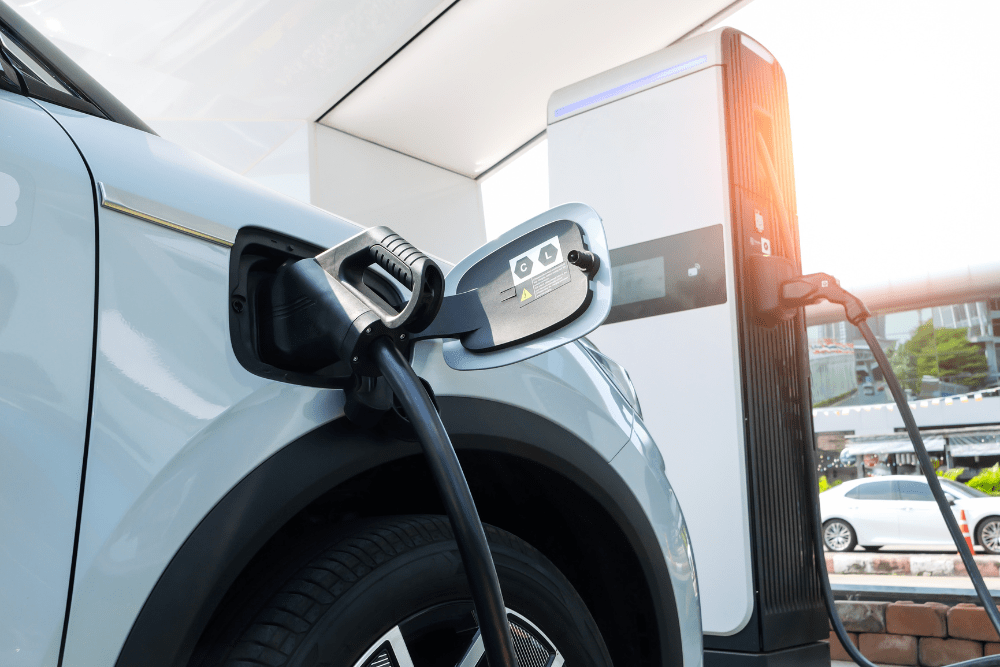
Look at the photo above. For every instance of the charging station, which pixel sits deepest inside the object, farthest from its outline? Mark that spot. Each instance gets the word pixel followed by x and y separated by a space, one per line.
pixel 672 151
pixel 258 441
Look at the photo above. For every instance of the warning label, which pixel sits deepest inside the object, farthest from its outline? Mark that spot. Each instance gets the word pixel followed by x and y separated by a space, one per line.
pixel 543 283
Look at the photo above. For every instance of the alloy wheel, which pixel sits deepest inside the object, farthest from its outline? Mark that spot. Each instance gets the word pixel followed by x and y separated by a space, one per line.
pixel 446 636
pixel 837 536
pixel 989 535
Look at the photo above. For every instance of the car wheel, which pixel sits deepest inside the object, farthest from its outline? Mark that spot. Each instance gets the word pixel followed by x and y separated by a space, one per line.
pixel 988 534
pixel 393 592
pixel 838 535
pixel 871 547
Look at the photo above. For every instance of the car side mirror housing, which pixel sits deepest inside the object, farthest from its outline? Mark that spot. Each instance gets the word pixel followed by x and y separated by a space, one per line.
pixel 543 284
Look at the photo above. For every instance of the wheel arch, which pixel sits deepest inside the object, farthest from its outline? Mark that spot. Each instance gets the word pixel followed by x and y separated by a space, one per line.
pixel 530 477
pixel 839 517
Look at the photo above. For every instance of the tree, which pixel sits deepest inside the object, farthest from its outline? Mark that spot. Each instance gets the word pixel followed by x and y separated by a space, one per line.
pixel 943 353
pixel 904 365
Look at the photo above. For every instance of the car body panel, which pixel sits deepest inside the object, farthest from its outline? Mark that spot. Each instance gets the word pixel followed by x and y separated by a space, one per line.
pixel 178 422
pixel 640 465
pixel 46 340
pixel 872 525
pixel 166 379
pixel 921 523
pixel 560 384
pixel 919 520
pixel 153 168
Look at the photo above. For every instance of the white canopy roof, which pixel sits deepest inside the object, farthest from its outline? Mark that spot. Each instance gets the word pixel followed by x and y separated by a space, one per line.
pixel 457 83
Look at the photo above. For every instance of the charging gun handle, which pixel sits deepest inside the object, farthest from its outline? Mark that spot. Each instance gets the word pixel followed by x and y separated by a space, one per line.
pixel 804 290
pixel 408 266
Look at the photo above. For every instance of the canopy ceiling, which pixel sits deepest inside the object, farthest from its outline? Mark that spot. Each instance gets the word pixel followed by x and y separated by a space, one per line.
pixel 457 84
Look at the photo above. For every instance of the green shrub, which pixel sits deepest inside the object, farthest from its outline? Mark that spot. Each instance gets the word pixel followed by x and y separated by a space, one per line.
pixel 951 473
pixel 987 481
pixel 825 485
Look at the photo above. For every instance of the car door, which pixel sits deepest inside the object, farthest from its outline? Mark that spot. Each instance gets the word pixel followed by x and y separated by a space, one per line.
pixel 920 520
pixel 47 292
pixel 873 508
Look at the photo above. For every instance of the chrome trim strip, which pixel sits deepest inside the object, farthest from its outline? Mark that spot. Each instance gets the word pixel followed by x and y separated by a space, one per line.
pixel 166 216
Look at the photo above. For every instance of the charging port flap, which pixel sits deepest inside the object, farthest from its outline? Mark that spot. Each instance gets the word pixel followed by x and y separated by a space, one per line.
pixel 542 284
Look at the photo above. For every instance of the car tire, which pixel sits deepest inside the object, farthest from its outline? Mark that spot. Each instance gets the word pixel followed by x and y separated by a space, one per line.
pixel 398 583
pixel 871 547
pixel 838 535
pixel 988 534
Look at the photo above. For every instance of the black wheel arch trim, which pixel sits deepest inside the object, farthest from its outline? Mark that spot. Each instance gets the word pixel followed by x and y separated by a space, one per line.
pixel 181 603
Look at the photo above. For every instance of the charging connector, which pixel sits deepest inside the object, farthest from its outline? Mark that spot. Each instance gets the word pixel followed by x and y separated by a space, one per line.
pixel 323 310
pixel 804 290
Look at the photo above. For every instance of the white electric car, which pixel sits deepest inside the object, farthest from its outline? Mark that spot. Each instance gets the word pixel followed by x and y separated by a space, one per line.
pixel 877 511
pixel 165 499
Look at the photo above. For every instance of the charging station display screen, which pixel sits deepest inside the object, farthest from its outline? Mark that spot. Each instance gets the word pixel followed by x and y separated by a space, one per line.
pixel 638 281
pixel 668 275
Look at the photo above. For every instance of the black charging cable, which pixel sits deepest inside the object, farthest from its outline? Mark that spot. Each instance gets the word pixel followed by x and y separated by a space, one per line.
pixel 323 310
pixel 457 498
pixel 797 293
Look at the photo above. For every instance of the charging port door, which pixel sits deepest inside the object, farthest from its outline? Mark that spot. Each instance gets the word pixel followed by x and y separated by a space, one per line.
pixel 540 285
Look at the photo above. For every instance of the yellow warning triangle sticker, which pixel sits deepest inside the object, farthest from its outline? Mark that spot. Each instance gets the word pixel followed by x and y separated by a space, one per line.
pixel 525 295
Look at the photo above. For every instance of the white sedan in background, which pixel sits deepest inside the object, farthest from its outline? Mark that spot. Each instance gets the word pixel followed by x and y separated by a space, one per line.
pixel 876 511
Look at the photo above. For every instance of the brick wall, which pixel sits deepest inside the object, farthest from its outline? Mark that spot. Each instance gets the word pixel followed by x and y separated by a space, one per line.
pixel 904 633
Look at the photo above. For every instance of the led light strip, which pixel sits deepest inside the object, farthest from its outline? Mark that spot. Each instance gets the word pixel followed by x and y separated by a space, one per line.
pixel 630 86
pixel 157 214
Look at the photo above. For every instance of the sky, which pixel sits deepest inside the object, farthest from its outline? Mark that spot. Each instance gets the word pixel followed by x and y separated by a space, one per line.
pixel 895 135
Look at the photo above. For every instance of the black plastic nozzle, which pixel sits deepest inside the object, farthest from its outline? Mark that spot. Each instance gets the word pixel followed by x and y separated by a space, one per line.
pixel 318 311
